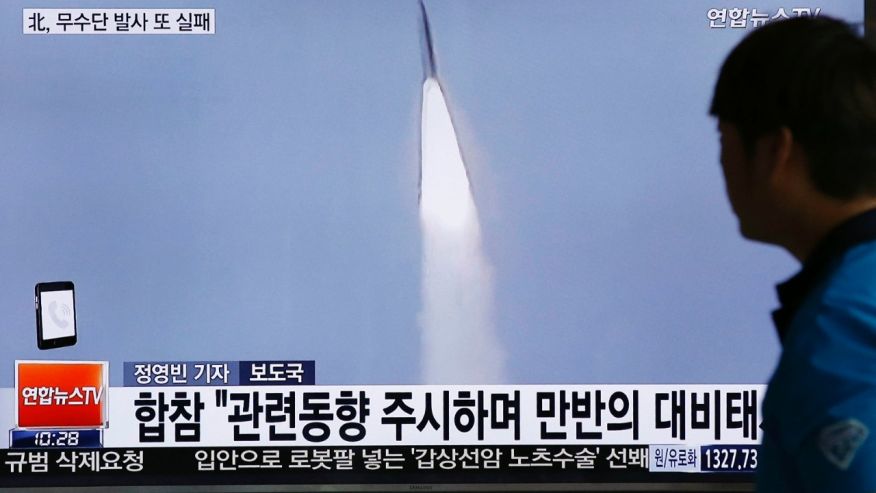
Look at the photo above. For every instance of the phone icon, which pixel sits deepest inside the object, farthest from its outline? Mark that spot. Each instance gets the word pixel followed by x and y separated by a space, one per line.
pixel 55 304
pixel 64 322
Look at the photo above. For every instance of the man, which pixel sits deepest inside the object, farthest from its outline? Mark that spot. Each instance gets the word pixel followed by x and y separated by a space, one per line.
pixel 796 109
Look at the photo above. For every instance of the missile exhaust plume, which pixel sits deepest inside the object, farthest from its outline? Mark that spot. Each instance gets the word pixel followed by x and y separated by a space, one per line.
pixel 459 339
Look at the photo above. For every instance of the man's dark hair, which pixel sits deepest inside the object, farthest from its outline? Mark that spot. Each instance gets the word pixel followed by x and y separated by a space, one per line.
pixel 816 77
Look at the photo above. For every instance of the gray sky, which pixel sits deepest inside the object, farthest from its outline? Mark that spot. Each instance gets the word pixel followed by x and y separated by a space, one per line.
pixel 253 194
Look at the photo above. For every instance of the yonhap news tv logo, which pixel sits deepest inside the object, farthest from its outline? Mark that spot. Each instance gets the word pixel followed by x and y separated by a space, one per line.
pixel 61 394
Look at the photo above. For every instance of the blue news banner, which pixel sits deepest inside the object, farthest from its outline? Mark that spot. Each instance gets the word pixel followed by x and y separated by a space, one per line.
pixel 218 373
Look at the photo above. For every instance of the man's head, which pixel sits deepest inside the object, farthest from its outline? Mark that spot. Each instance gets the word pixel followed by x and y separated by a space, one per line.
pixel 796 104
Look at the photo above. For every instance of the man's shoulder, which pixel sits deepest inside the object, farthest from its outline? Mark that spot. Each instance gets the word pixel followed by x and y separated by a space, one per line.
pixel 838 318
pixel 827 358
pixel 852 278
pixel 844 302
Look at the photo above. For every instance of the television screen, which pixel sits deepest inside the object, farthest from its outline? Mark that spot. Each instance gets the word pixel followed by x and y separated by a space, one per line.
pixel 418 240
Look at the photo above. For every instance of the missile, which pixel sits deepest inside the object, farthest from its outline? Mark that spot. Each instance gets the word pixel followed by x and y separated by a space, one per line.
pixel 433 91
pixel 428 56
pixel 427 51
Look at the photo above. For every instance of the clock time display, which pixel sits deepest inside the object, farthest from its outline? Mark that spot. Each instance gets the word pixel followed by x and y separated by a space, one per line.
pixel 81 438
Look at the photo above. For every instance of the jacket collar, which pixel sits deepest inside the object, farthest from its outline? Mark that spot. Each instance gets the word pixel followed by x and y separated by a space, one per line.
pixel 859 229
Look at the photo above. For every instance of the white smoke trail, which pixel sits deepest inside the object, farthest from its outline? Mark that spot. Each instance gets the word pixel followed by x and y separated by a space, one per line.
pixel 459 339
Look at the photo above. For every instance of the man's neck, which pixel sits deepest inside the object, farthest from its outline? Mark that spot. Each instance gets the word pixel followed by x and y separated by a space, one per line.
pixel 819 220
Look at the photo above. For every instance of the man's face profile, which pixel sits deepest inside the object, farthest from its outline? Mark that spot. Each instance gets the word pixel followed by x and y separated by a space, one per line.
pixel 739 179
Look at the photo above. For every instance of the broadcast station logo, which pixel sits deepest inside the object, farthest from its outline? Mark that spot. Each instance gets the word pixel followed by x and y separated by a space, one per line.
pixel 61 394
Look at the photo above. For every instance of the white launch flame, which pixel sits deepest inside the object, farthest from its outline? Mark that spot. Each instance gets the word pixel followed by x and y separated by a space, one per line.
pixel 460 344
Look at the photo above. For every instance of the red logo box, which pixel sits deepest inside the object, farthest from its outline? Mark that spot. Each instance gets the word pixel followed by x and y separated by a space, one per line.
pixel 60 394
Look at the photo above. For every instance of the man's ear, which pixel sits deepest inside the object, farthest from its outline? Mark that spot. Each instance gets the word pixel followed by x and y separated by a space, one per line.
pixel 777 149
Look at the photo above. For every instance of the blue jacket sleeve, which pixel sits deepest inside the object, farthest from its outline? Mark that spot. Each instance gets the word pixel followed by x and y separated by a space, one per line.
pixel 841 455
pixel 820 408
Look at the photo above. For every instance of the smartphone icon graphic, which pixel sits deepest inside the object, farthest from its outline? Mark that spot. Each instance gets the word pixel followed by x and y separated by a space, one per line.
pixel 55 314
